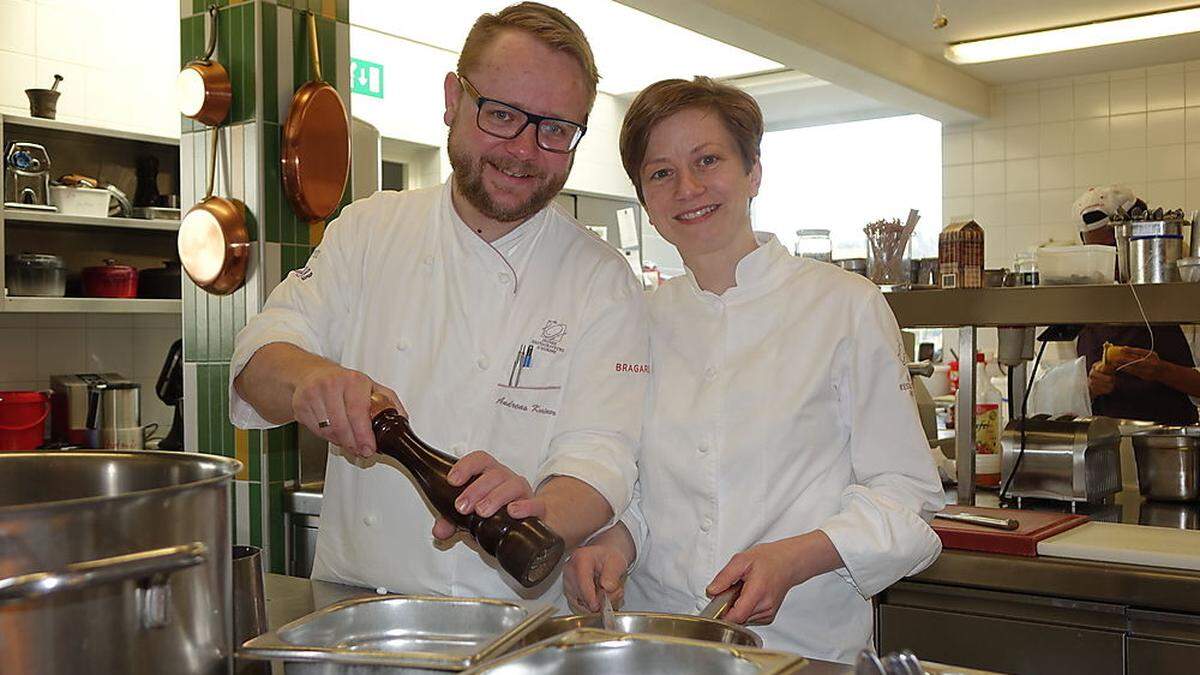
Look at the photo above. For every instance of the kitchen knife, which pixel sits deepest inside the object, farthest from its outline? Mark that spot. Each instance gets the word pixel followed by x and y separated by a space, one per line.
pixel 984 521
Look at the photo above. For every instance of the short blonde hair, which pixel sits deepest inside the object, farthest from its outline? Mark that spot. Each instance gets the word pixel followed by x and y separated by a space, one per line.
pixel 739 112
pixel 549 25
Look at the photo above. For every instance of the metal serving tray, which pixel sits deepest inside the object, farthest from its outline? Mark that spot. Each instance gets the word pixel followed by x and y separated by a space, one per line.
pixel 398 631
pixel 588 651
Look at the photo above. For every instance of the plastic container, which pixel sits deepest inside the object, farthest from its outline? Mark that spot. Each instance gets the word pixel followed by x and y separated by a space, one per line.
pixel 22 419
pixel 988 402
pixel 1075 265
pixel 110 280
pixel 80 201
pixel 1189 269
pixel 35 274
pixel 814 244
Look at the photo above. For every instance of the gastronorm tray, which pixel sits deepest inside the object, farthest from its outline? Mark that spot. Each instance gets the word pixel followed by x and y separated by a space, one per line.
pixel 400 631
pixel 588 651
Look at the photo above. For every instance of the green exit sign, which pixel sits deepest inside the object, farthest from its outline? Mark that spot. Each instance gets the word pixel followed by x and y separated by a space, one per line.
pixel 366 78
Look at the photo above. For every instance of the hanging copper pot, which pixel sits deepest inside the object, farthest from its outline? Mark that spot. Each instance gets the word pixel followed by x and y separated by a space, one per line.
pixel 213 242
pixel 316 144
pixel 202 89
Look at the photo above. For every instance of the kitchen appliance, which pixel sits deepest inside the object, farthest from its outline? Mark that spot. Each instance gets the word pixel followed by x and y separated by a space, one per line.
pixel 35 274
pixel 1065 458
pixel 169 389
pixel 22 419
pixel 114 417
pixel 110 280
pixel 161 282
pixel 398 631
pixel 202 89
pixel 69 405
pixel 815 244
pixel 1154 248
pixel 27 177
pixel 316 143
pixel 44 102
pixel 115 562
pixel 587 651
pixel 1167 465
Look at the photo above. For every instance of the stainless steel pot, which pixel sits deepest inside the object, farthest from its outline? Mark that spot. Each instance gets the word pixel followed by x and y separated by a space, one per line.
pixel 1154 247
pixel 1167 464
pixel 115 562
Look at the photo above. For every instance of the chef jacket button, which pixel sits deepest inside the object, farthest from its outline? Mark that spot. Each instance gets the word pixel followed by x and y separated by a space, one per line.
pixel 428 260
pixel 703 448
pixel 369 520
pixel 482 362
pixel 706 525
pixel 402 345
pixel 710 373
pixel 503 277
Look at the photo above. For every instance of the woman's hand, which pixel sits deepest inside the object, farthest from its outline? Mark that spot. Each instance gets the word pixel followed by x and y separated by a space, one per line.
pixel 599 566
pixel 768 571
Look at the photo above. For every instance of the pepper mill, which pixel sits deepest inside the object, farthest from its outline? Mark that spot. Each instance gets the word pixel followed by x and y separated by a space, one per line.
pixel 526 548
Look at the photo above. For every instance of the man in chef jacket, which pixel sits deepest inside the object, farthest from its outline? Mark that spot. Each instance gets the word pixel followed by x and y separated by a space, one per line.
pixel 514 338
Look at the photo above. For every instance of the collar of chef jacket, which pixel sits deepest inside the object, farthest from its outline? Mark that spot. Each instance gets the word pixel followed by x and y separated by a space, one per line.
pixel 758 272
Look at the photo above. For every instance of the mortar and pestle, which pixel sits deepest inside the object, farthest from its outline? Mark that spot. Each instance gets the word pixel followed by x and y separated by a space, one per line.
pixel 44 102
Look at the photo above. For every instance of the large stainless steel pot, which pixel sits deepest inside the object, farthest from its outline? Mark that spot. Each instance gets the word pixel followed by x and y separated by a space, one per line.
pixel 1168 463
pixel 115 562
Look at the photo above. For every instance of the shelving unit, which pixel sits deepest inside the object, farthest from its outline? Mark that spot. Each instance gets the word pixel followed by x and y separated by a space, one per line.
pixel 76 148
pixel 969 309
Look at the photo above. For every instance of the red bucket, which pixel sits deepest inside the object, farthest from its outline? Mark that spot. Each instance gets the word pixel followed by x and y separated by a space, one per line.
pixel 22 419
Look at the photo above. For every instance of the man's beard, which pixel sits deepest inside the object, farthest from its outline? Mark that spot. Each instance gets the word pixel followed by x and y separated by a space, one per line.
pixel 468 178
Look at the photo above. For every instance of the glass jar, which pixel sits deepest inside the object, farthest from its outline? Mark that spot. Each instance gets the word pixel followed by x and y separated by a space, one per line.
pixel 814 244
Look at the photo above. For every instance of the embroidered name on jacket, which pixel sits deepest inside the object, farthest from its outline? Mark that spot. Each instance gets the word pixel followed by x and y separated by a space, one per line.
pixel 525 407
pixel 632 367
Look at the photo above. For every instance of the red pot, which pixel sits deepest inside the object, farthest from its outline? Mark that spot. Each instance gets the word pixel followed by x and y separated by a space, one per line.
pixel 110 281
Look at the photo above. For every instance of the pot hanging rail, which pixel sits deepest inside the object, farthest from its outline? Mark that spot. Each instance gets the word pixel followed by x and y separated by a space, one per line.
pixel 316 143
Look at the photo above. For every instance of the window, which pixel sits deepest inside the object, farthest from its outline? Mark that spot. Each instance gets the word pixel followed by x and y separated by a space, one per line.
pixel 840 177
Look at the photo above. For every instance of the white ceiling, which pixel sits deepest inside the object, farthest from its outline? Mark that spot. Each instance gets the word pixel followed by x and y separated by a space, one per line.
pixel 910 23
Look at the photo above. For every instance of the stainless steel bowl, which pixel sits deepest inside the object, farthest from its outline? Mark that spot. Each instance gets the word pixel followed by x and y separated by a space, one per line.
pixel 1167 463
pixel 650 623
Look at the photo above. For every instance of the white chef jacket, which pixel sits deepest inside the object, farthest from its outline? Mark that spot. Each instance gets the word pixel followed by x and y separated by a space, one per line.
pixel 781 407
pixel 402 290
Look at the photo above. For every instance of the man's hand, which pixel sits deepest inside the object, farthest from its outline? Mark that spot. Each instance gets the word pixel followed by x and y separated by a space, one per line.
pixel 333 402
pixel 492 486
pixel 1140 363
pixel 768 571
pixel 1100 380
pixel 599 567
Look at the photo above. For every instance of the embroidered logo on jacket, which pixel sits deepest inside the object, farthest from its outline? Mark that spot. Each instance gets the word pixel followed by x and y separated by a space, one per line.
pixel 551 335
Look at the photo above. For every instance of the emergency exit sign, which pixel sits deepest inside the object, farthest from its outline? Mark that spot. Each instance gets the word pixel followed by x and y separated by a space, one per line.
pixel 366 78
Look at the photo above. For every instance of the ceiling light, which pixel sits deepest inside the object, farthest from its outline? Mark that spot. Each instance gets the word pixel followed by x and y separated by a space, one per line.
pixel 1111 31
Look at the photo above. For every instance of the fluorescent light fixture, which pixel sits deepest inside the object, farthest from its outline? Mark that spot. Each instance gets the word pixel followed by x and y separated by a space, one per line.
pixel 1095 34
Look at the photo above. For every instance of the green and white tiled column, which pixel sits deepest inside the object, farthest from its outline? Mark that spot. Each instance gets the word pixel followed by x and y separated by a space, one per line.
pixel 264 46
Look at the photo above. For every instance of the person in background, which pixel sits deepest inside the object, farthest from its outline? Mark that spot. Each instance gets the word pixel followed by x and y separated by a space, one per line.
pixel 782 448
pixel 498 321
pixel 1145 373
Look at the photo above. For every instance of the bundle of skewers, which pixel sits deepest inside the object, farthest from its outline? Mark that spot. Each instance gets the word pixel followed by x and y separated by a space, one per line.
pixel 887 241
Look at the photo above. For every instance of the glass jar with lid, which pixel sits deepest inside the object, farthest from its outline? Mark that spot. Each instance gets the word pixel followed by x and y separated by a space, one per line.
pixel 814 244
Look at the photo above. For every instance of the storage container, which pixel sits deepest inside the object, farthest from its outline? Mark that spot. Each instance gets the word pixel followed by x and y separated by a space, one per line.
pixel 80 201
pixel 814 244
pixel 22 419
pixel 35 274
pixel 960 255
pixel 1073 265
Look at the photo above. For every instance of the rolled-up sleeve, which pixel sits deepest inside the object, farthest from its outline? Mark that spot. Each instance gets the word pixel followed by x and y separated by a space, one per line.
pixel 882 527
pixel 597 430
pixel 307 309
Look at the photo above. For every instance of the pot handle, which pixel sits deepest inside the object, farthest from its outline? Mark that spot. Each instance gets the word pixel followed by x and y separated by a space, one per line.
pixel 81 575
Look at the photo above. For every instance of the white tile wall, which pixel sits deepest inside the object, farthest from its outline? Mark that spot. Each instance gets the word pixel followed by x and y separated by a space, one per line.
pixel 35 346
pixel 118 60
pixel 1018 171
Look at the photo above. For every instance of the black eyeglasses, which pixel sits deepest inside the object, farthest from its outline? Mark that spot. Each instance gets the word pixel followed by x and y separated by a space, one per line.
pixel 502 120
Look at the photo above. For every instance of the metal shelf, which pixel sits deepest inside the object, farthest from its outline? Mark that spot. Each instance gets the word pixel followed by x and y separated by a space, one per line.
pixel 52 218
pixel 55 125
pixel 92 305
pixel 1045 305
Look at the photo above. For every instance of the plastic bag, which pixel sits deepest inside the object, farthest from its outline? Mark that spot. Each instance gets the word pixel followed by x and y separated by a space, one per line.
pixel 1063 390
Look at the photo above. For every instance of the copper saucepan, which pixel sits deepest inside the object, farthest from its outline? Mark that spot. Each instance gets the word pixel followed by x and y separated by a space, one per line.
pixel 213 242
pixel 316 143
pixel 202 88
pixel 705 626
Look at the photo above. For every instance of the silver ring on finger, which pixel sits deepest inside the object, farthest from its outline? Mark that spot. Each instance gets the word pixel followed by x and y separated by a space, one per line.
pixel 324 424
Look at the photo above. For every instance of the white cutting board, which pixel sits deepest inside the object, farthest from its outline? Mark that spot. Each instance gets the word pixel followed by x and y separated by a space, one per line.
pixel 1120 543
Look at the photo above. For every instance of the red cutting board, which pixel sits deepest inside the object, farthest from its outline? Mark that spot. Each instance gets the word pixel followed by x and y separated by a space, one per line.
pixel 1035 526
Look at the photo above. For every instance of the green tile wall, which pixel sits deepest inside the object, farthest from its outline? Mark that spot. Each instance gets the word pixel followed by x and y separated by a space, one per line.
pixel 249 46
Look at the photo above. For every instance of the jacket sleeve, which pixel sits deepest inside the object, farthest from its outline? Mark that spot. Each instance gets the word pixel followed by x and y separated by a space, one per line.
pixel 308 309
pixel 596 433
pixel 881 530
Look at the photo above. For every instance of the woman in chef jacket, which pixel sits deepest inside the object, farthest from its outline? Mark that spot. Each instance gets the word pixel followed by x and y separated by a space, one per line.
pixel 782 448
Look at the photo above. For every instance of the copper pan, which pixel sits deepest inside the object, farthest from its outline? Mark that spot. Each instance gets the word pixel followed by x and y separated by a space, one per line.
pixel 203 88
pixel 316 144
pixel 213 242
